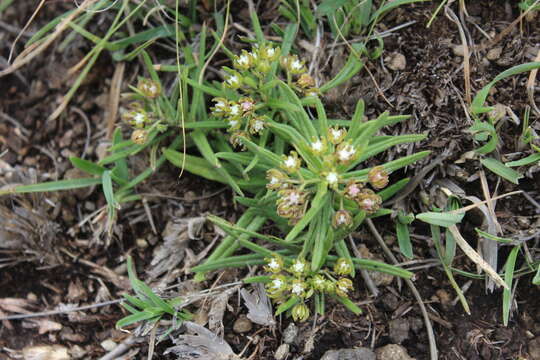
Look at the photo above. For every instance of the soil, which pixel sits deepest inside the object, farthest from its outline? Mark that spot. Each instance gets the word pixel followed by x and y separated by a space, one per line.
pixel 63 262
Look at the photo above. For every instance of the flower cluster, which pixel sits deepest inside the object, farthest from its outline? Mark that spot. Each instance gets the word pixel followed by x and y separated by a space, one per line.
pixel 297 281
pixel 140 117
pixel 335 152
pixel 244 112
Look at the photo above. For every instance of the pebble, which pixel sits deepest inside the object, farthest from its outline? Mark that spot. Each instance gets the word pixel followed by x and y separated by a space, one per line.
pixel 290 333
pixel 494 53
pixel 349 354
pixel 399 330
pixel 281 352
pixel 242 325
pixel 458 50
pixel 108 345
pixel 392 352
pixel 534 348
pixel 397 61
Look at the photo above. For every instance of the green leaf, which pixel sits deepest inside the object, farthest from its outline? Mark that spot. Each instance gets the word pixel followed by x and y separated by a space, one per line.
pixel 531 159
pixel 135 318
pixel 327 7
pixel 508 279
pixel 440 219
pixel 349 305
pixel 53 186
pixel 391 5
pixel 502 170
pixel 287 305
pixel 485 129
pixel 493 237
pixel 477 106
pixel 404 239
pixel 108 189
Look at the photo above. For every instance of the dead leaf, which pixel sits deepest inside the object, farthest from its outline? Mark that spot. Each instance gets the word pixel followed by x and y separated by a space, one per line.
pixel 176 237
pixel 217 310
pixel 46 326
pixel 259 306
pixel 45 352
pixel 200 344
pixel 475 257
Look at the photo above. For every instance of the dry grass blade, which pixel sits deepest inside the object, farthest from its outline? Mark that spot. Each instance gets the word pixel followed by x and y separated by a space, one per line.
pixel 466 54
pixel 490 248
pixel 26 57
pixel 114 97
pixel 530 85
pixel 470 207
pixel 475 257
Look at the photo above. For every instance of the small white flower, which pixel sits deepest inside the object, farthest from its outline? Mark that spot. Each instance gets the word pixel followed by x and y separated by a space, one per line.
pixel 317 146
pixel 332 178
pixel 346 153
pixel 319 281
pixel 299 266
pixel 297 289
pixel 243 60
pixel 296 65
pixel 277 284
pixel 290 162
pixel 342 219
pixel 270 52
pixel 273 264
pixel 235 110
pixel 139 118
pixel 233 80
pixel 258 125
pixel 233 123
pixel 220 105
pixel 274 180
pixel 336 133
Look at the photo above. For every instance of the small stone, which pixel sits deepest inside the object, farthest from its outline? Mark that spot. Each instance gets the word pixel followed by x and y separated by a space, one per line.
pixel 349 354
pixel 108 345
pixel 290 333
pixel 392 352
pixel 281 352
pixel 494 53
pixel 77 352
pixel 458 50
pixel 444 298
pixel 399 330
pixel 534 348
pixel 390 301
pixel 141 243
pixel 242 325
pixel 397 61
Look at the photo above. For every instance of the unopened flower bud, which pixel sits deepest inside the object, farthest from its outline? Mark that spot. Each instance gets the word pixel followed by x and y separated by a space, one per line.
pixel 313 91
pixel 305 81
pixel 343 286
pixel 378 177
pixel 342 218
pixel 300 312
pixel 149 88
pixel 318 282
pixel 368 201
pixel 343 267
pixel 353 189
pixel 247 105
pixel 139 136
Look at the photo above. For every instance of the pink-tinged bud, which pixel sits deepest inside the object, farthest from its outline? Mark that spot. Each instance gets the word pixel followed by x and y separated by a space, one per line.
pixel 139 136
pixel 247 105
pixel 342 218
pixel 305 81
pixel 378 177
pixel 149 88
pixel 343 286
pixel 353 189
pixel 368 201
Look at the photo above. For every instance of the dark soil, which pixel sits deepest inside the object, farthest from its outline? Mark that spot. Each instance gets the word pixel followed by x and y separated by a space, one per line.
pixel 76 267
